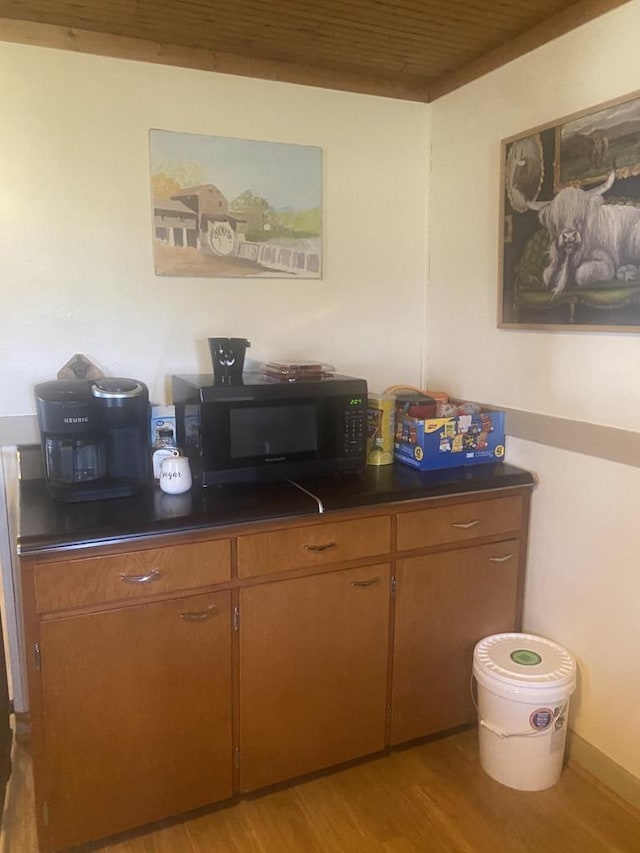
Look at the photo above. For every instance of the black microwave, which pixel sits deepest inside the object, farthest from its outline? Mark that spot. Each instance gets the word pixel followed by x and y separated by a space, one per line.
pixel 267 429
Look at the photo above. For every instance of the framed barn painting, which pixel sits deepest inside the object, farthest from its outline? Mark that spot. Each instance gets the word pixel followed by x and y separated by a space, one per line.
pixel 570 215
pixel 235 208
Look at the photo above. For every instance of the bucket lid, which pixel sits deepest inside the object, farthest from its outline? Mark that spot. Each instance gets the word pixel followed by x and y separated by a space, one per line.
pixel 525 659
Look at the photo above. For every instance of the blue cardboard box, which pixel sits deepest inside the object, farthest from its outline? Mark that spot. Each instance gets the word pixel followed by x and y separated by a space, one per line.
pixel 436 443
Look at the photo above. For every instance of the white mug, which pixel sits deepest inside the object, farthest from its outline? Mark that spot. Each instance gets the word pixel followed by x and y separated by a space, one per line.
pixel 175 475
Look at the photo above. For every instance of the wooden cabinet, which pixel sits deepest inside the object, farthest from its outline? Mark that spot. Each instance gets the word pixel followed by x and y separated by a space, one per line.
pixel 445 603
pixel 313 672
pixel 137 703
pixel 174 674
pixel 130 672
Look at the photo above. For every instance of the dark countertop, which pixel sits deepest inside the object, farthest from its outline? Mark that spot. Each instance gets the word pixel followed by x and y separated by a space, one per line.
pixel 49 526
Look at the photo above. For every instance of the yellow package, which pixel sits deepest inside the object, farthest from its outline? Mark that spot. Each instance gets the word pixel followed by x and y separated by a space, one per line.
pixel 380 429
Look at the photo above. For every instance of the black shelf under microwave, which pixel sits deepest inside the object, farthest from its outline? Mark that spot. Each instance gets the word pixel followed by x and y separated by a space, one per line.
pixel 268 429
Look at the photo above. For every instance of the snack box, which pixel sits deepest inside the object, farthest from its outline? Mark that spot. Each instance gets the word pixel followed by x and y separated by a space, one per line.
pixel 450 442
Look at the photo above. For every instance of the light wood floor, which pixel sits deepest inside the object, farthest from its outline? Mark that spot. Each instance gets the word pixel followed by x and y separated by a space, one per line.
pixel 432 798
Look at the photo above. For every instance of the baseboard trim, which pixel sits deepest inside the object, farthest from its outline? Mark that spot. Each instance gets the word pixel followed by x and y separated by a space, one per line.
pixel 583 756
pixel 603 442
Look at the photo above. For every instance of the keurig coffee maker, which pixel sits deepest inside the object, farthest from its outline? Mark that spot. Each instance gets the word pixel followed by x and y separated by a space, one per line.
pixel 95 437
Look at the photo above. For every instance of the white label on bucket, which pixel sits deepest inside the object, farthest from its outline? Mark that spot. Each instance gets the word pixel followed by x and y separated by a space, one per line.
pixel 541 718
pixel 557 736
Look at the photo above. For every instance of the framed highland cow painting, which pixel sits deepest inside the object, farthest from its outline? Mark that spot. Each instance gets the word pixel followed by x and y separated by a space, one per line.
pixel 570 217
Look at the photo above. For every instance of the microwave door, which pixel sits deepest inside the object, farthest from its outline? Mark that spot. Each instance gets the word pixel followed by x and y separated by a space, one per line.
pixel 273 432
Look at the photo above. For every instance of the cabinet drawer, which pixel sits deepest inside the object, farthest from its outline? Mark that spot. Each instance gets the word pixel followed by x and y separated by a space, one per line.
pixel 131 575
pixel 313 545
pixel 459 522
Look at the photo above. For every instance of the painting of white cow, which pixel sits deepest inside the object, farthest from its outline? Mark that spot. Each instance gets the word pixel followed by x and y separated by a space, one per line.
pixel 589 242
pixel 570 245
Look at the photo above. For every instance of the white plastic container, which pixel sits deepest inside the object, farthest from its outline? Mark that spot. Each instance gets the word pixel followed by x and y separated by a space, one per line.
pixel 524 686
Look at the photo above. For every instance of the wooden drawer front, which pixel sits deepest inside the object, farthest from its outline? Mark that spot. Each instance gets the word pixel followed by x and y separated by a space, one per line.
pixel 313 545
pixel 132 574
pixel 459 522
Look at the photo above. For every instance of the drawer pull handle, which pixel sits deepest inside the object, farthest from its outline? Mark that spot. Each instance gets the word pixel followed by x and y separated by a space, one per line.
pixel 372 582
pixel 501 559
pixel 153 575
pixel 326 547
pixel 199 615
pixel 465 525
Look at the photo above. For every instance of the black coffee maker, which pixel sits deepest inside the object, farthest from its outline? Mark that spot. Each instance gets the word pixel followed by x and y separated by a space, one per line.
pixel 95 437
pixel 227 358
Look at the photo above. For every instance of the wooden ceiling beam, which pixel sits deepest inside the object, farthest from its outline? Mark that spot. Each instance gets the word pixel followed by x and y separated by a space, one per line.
pixel 398 86
pixel 575 16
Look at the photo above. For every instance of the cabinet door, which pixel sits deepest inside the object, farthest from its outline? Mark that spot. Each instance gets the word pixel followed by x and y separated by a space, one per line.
pixel 137 709
pixel 445 603
pixel 313 672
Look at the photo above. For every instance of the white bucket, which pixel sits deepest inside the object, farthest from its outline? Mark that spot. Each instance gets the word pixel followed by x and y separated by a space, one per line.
pixel 524 686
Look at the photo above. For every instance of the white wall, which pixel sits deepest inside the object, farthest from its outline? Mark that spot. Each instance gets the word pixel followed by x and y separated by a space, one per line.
pixel 584 566
pixel 75 226
pixel 583 587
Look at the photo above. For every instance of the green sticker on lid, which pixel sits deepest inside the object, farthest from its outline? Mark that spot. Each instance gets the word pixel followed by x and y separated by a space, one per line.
pixel 525 657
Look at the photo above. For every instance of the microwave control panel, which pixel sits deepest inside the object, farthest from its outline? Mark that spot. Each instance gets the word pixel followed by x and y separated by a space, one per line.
pixel 355 417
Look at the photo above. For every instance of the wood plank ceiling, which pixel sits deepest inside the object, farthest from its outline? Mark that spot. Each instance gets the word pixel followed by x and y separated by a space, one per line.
pixel 411 49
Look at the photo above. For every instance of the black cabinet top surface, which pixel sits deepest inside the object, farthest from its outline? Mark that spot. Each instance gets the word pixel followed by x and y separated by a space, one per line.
pixel 45 525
